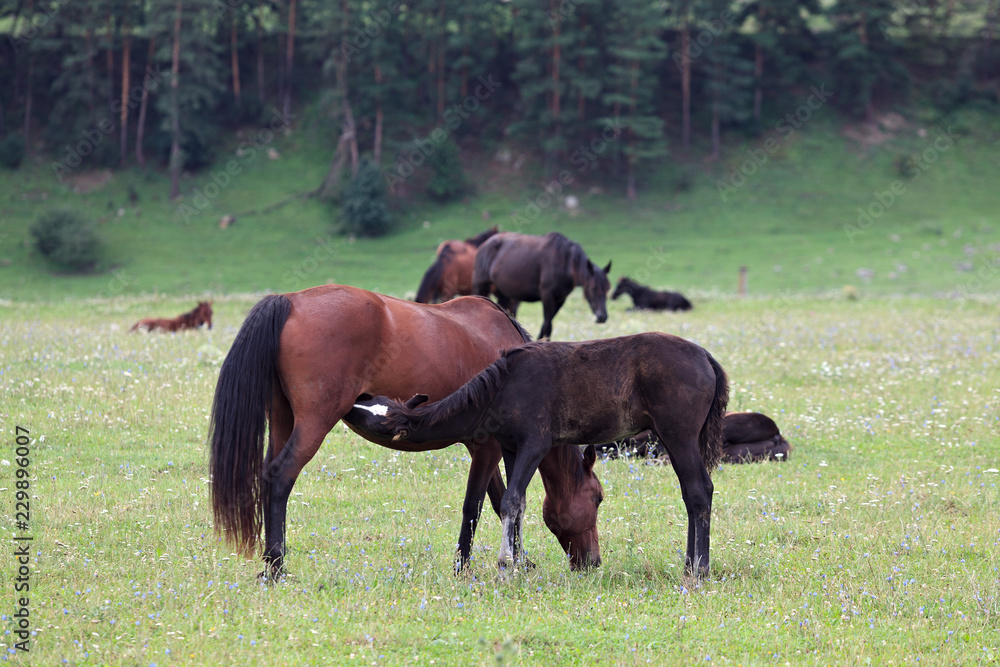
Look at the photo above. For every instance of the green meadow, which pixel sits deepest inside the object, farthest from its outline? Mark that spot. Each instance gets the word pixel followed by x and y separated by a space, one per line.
pixel 874 347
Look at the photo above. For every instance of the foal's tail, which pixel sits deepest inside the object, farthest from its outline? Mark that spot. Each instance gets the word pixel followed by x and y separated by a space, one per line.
pixel 710 438
pixel 430 286
pixel 239 419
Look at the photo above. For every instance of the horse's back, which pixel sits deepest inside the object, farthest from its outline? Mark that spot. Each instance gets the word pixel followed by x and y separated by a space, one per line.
pixel 381 345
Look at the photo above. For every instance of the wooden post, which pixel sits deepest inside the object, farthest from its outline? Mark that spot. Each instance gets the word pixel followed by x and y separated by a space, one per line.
pixel 743 281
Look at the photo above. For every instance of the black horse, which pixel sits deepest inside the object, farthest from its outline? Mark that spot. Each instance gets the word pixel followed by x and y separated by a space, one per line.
pixel 542 395
pixel 546 268
pixel 746 437
pixel 644 298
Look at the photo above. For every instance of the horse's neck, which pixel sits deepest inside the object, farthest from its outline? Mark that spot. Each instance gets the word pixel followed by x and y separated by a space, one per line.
pixel 558 468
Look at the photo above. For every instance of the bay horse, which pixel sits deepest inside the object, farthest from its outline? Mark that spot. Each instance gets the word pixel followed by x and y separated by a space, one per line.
pixel 644 298
pixel 541 395
pixel 200 315
pixel 301 360
pixel 521 267
pixel 451 273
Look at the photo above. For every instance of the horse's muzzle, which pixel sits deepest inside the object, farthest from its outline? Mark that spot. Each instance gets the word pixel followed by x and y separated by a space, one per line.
pixel 602 318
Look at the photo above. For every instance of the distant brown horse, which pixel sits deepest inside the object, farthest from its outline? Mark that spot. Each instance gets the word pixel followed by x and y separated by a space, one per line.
pixel 543 395
pixel 451 273
pixel 301 360
pixel 520 267
pixel 200 315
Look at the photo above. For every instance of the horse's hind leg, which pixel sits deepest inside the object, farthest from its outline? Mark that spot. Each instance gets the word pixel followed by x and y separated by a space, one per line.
pixel 280 472
pixel 696 490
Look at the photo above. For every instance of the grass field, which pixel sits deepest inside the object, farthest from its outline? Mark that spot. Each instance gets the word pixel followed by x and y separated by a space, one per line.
pixel 878 541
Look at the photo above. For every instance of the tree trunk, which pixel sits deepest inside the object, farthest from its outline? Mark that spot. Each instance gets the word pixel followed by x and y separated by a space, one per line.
pixel 91 81
pixel 123 119
pixel 551 155
pixel 111 62
pixel 442 45
pixel 234 51
pixel 377 149
pixel 28 97
pixel 175 122
pixel 261 97
pixel 3 126
pixel 289 58
pixel 140 131
pixel 685 87
pixel 758 73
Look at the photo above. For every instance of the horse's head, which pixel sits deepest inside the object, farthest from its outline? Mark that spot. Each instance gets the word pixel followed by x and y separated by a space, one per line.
pixel 570 506
pixel 595 289
pixel 204 315
pixel 623 287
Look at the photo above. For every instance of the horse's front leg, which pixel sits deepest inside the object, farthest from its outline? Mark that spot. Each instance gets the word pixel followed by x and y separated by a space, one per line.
pixel 551 303
pixel 522 467
pixel 483 476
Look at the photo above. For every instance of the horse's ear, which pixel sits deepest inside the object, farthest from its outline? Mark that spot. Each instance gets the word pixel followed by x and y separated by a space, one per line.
pixel 590 267
pixel 607 269
pixel 416 400
pixel 589 457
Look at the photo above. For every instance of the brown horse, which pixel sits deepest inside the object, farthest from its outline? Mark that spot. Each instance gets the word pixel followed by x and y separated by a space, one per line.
pixel 451 273
pixel 542 395
pixel 520 267
pixel 301 360
pixel 201 314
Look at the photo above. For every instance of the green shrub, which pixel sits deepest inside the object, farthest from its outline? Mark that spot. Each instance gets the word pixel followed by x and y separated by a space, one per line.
pixel 366 208
pixel 449 180
pixel 12 151
pixel 67 239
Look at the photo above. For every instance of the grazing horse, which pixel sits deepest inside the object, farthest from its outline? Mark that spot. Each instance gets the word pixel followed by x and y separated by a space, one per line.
pixel 541 395
pixel 451 273
pixel 644 298
pixel 201 314
pixel 301 360
pixel 746 437
pixel 539 268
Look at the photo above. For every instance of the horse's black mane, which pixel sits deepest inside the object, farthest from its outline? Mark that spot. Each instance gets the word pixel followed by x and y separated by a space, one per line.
pixel 474 395
pixel 569 254
pixel 479 238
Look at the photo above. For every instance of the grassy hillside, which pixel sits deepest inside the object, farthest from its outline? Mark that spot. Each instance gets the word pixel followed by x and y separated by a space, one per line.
pixel 786 222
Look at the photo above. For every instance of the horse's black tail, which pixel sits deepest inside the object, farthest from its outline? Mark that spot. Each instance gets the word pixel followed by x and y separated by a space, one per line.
pixel 239 420
pixel 710 438
pixel 430 285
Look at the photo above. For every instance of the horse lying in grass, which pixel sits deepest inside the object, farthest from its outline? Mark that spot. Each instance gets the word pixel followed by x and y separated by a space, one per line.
pixel 201 314
pixel 543 395
pixel 746 437
pixel 644 298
